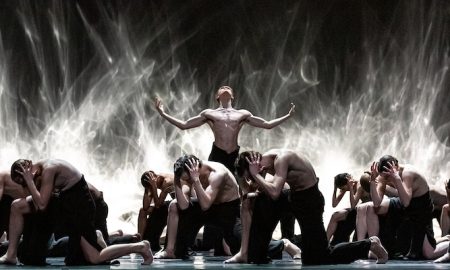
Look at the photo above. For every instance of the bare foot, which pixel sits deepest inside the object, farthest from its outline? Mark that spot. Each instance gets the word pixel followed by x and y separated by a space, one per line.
pixel 378 250
pixel 165 254
pixel 445 258
pixel 238 258
pixel 444 238
pixel 292 249
pixel 100 239
pixel 146 253
pixel 5 260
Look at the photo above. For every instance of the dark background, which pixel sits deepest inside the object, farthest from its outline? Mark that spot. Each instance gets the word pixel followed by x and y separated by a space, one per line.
pixel 233 42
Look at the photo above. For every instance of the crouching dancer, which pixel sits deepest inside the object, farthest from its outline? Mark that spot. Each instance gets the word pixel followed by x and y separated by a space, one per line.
pixel 76 207
pixel 307 204
pixel 217 202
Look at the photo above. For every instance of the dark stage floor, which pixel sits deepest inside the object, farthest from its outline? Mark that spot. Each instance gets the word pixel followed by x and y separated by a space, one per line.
pixel 210 262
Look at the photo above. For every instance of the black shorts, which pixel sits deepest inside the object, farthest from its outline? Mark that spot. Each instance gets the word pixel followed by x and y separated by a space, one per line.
pixel 5 210
pixel 221 156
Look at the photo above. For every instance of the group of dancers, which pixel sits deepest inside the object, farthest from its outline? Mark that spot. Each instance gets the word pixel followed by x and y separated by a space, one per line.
pixel 241 197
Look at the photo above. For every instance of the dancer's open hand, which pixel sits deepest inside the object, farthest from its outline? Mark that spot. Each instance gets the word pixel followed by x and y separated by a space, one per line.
pixel 292 109
pixel 159 106
pixel 193 168
pixel 25 172
pixel 391 171
pixel 254 163
pixel 374 171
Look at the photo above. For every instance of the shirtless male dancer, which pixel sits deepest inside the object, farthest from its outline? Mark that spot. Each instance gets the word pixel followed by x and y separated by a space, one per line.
pixel 414 195
pixel 153 218
pixel 76 203
pixel 307 204
pixel 343 222
pixel 225 123
pixel 217 202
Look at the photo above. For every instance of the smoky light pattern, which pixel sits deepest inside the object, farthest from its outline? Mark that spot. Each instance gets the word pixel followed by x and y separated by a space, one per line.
pixel 96 110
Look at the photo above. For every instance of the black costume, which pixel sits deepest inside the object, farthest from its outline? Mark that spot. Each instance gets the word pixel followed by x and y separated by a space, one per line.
pixel 78 213
pixel 394 231
pixel 101 215
pixel 307 206
pixel 221 156
pixel 223 215
pixel 5 210
pixel 155 225
pixel 345 228
pixel 265 217
pixel 420 214
pixel 212 236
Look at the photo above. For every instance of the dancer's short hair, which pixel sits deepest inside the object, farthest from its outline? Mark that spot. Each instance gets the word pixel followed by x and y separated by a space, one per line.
pixel 180 165
pixel 241 163
pixel 384 162
pixel 17 166
pixel 341 180
pixel 145 183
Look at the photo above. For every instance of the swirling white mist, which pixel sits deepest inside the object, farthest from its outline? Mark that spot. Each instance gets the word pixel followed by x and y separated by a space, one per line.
pixel 102 120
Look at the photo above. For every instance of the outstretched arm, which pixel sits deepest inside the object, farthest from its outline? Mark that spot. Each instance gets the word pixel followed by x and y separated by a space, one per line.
pixel 261 123
pixel 193 122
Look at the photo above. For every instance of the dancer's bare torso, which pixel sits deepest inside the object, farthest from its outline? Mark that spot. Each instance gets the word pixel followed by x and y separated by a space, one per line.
pixel 63 174
pixel 226 124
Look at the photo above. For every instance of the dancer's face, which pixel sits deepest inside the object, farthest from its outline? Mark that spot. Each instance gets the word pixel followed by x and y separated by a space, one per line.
pixel 19 178
pixel 224 93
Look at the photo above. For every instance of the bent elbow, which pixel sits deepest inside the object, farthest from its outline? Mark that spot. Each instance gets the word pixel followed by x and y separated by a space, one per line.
pixel 41 207
pixel 406 204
